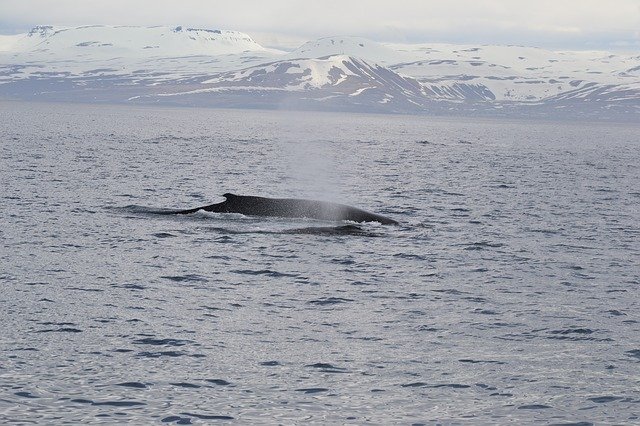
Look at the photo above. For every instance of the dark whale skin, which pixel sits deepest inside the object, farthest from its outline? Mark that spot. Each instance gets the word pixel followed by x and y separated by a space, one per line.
pixel 291 207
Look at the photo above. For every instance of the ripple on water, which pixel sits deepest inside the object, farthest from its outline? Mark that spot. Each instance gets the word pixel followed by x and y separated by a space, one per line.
pixel 576 334
pixel 135 385
pixel 475 361
pixel 327 368
pixel 267 272
pixel 635 353
pixel 481 245
pixel 270 363
pixel 164 235
pixel 434 386
pixel 170 354
pixel 312 390
pixel 120 403
pixel 26 395
pixel 330 301
pixel 186 385
pixel 177 420
pixel 208 416
pixel 219 382
pixel 60 330
pixel 185 278
pixel 161 342
pixel 133 286
pixel 534 407
pixel 604 399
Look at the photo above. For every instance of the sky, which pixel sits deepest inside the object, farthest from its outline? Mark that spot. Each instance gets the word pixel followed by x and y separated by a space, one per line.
pixel 559 24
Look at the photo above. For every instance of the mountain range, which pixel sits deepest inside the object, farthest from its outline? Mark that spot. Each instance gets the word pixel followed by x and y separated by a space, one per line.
pixel 219 68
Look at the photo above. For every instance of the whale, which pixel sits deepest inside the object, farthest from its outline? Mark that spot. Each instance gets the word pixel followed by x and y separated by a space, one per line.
pixel 289 208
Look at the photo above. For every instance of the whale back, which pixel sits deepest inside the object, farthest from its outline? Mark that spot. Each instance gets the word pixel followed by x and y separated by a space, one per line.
pixel 292 207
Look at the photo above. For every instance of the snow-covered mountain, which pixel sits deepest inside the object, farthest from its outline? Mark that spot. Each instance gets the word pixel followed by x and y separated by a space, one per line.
pixel 191 66
pixel 149 54
pixel 99 41
pixel 514 73
pixel 337 82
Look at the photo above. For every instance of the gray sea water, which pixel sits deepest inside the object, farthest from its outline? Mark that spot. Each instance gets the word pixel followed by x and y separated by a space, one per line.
pixel 508 294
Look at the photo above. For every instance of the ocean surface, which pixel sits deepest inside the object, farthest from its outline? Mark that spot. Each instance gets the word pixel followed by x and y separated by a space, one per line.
pixel 509 293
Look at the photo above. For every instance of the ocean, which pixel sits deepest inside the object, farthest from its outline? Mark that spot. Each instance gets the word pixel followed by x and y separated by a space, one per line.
pixel 508 293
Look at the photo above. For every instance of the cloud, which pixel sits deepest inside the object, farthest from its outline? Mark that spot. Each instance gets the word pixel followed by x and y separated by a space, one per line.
pixel 573 23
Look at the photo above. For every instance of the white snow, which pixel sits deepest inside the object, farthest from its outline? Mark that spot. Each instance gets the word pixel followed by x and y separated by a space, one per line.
pixel 359 91
pixel 321 68
pixel 357 47
pixel 224 89
pixel 8 42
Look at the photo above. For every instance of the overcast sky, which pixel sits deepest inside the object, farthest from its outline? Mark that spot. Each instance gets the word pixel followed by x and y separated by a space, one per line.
pixel 570 24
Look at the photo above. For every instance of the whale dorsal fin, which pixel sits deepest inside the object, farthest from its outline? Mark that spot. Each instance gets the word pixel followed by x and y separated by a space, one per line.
pixel 229 196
